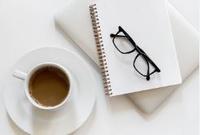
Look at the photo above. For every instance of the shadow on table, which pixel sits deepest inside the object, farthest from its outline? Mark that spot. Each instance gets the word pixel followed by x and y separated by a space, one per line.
pixel 16 129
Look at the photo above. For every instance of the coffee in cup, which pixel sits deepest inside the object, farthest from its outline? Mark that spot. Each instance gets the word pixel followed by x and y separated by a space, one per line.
pixel 47 85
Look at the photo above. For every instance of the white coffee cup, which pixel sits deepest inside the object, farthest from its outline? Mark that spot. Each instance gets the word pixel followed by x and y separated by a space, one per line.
pixel 27 76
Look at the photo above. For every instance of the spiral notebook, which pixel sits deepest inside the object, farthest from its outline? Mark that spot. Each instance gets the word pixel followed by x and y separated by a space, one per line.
pixel 148 24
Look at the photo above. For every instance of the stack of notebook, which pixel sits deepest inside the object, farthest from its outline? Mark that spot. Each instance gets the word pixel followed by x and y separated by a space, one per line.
pixel 146 22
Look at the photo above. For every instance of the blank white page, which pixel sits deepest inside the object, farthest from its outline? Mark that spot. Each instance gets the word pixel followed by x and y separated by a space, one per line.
pixel 147 22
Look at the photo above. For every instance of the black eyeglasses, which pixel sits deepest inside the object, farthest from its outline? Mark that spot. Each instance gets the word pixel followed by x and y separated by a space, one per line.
pixel 145 67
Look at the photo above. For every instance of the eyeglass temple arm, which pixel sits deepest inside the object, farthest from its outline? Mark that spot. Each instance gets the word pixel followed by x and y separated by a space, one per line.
pixel 150 61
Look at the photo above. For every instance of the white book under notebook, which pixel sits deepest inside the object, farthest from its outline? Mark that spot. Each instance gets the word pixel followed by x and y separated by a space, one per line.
pixel 147 23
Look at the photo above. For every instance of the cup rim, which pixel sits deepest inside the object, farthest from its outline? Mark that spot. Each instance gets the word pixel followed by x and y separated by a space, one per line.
pixel 32 71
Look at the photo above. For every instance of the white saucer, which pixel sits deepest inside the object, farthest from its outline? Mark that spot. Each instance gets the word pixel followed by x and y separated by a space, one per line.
pixel 68 118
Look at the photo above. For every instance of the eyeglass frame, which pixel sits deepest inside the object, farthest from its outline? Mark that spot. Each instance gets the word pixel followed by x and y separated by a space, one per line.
pixel 138 50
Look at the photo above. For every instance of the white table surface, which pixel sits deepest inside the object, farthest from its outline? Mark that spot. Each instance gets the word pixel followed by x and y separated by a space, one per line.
pixel 28 24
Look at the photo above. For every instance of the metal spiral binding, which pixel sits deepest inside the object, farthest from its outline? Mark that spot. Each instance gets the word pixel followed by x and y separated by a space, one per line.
pixel 100 48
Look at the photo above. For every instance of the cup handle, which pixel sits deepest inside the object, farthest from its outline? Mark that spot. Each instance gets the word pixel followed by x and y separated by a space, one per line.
pixel 19 74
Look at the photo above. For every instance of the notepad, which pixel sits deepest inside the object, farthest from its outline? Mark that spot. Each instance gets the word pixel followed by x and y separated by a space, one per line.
pixel 148 24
